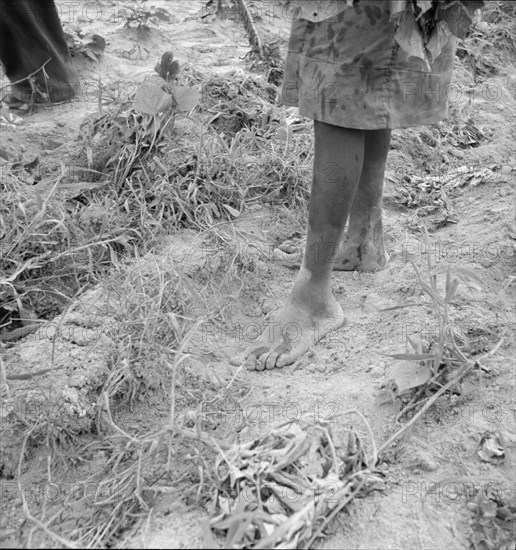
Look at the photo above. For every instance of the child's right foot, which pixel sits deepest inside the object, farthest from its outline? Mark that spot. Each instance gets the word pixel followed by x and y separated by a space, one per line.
pixel 292 331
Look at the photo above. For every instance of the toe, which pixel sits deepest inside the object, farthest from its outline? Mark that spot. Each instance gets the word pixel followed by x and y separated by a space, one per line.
pixel 260 363
pixel 270 363
pixel 289 246
pixel 282 361
pixel 236 361
pixel 251 363
pixel 288 354
pixel 285 359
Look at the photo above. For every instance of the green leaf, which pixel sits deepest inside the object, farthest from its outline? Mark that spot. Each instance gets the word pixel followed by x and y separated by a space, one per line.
pixel 186 98
pixel 400 307
pixel 235 213
pixel 209 541
pixel 410 376
pixel 385 397
pixel 468 274
pixel 413 356
pixel 172 70
pixel 150 99
pixel 89 53
pixel 451 290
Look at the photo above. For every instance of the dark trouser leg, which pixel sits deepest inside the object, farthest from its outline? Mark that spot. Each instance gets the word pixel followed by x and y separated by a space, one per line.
pixel 30 35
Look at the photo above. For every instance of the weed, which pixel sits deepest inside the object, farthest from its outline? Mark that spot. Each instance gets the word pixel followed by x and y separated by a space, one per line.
pixel 46 248
pixel 141 16
pixel 491 42
pixel 91 46
pixel 153 361
pixel 438 355
pixel 290 498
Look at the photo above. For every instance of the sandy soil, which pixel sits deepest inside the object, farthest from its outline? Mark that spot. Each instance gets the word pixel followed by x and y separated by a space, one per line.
pixel 430 473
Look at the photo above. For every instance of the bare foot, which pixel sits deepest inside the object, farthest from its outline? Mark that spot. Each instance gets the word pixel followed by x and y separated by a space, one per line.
pixel 364 257
pixel 293 330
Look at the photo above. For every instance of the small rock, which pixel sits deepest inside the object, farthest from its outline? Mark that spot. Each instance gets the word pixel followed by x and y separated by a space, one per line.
pixel 418 459
pixel 320 367
pixel 377 372
pixel 334 367
pixel 268 305
pixel 428 464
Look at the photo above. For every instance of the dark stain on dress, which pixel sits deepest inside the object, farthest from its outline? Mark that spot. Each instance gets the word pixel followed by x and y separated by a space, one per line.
pixel 366 73
pixel 332 51
pixel 370 15
pixel 366 63
pixel 331 32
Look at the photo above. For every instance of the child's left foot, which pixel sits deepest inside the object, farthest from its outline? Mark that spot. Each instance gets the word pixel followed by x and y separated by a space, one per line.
pixel 362 257
pixel 365 257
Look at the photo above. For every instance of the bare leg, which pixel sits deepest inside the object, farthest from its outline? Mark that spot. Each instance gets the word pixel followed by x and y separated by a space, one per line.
pixel 362 248
pixel 311 311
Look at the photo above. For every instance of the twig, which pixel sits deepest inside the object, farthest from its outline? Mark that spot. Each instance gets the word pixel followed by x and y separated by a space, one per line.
pixel 250 27
pixel 408 408
pixel 190 434
pixel 374 458
pixel 114 426
pixel 334 512
pixel 491 352
pixel 28 376
pixel 423 409
pixel 332 449
pixel 31 75
pixel 64 542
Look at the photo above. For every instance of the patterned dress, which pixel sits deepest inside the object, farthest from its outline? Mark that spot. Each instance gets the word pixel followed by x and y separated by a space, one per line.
pixel 345 65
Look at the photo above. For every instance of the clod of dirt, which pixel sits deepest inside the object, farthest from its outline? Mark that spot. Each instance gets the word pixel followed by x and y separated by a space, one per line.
pixel 52 380
pixel 492 448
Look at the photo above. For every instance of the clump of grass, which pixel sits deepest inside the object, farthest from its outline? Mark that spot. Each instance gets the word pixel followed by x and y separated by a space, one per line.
pixel 441 363
pixel 142 17
pixel 143 176
pixel 274 492
pixel 197 176
pixel 51 246
pixel 150 320
pixel 156 358
pixel 491 43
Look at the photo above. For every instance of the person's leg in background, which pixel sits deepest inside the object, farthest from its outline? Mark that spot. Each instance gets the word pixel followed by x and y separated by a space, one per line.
pixel 31 36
